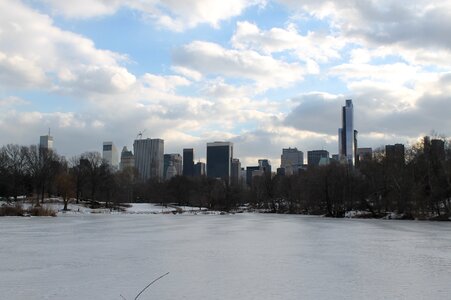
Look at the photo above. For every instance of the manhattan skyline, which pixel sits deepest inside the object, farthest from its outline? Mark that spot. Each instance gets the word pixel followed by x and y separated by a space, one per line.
pixel 264 75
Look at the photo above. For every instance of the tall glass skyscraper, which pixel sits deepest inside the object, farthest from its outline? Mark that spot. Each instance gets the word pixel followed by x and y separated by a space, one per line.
pixel 188 162
pixel 219 160
pixel 347 135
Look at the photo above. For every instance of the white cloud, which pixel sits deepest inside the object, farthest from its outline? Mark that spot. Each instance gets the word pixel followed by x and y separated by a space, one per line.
pixel 164 83
pixel 412 30
pixel 312 47
pixel 12 101
pixel 36 54
pixel 172 14
pixel 83 8
pixel 211 59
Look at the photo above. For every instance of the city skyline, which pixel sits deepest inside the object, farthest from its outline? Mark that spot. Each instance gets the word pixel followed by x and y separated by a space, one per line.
pixel 264 75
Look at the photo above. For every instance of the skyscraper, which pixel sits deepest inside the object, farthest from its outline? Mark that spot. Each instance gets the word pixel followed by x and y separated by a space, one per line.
pixel 199 169
pixel 395 155
pixel 314 157
pixel 149 158
pixel 188 162
pixel 265 166
pixel 364 154
pixel 174 160
pixel 110 154
pixel 127 159
pixel 291 160
pixel 249 171
pixel 347 136
pixel 46 142
pixel 236 171
pixel 219 160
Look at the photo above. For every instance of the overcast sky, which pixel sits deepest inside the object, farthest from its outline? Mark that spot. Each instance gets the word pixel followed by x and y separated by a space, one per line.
pixel 265 75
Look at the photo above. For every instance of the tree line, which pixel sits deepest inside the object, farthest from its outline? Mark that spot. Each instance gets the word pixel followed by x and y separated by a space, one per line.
pixel 416 185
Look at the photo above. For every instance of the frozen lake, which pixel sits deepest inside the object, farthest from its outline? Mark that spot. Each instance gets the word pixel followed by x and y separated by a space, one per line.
pixel 245 256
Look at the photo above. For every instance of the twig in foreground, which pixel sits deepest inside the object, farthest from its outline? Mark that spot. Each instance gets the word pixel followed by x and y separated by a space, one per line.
pixel 150 285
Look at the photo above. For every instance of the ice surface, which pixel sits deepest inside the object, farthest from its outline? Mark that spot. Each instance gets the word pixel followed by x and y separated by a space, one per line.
pixel 243 256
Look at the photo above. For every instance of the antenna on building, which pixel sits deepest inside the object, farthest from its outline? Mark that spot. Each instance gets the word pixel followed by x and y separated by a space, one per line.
pixel 49 131
pixel 140 135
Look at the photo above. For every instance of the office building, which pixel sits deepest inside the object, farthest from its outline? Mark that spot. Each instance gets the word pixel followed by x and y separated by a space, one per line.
pixel 317 158
pixel 291 160
pixel 188 162
pixel 347 136
pixel 110 154
pixel 264 166
pixel 219 160
pixel 281 172
pixel 236 171
pixel 249 171
pixel 149 158
pixel 199 169
pixel 171 171
pixel 174 160
pixel 395 155
pixel 434 149
pixel 46 142
pixel 127 159
pixel 364 154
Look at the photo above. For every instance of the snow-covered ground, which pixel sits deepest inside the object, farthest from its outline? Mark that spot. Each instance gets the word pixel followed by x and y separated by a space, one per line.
pixel 134 208
pixel 242 256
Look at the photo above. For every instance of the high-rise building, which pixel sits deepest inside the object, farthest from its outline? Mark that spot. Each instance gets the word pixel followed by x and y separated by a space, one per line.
pixel 174 160
pixel 199 169
pixel 395 155
pixel 317 158
pixel 149 158
pixel 249 171
pixel 434 149
pixel 236 171
pixel 188 162
pixel 127 159
pixel 291 160
pixel 110 154
pixel 364 154
pixel 347 137
pixel 171 171
pixel 281 171
pixel 264 166
pixel 219 160
pixel 46 142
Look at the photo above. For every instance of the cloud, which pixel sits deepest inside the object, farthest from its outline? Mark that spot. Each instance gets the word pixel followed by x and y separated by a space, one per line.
pixel 210 59
pixel 172 14
pixel 316 112
pixel 36 54
pixel 83 8
pixel 12 101
pixel 412 31
pixel 312 47
pixel 164 83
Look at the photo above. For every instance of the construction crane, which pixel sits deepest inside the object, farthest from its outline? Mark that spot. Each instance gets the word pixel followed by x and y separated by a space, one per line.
pixel 140 135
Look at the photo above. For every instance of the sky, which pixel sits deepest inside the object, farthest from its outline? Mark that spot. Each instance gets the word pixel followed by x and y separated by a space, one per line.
pixel 263 74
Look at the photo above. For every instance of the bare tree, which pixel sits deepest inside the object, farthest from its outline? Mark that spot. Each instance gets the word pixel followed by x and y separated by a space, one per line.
pixel 65 186
pixel 16 167
pixel 93 167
